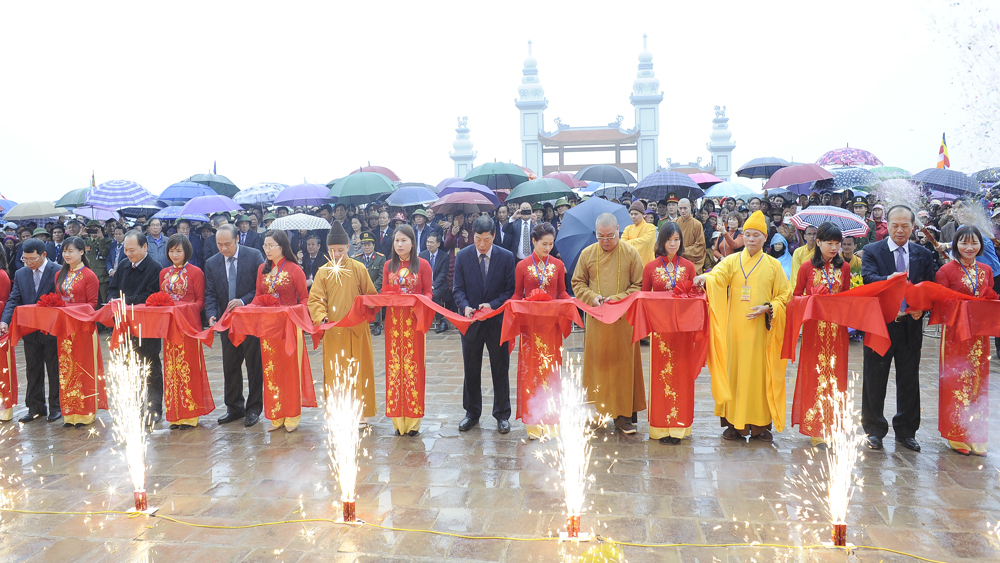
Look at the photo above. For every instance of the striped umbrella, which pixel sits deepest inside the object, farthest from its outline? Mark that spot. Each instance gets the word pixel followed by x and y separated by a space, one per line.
pixel 117 194
pixel 849 223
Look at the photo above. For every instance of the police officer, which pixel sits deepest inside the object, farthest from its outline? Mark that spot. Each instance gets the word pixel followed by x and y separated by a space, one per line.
pixel 98 249
pixel 860 207
pixel 374 262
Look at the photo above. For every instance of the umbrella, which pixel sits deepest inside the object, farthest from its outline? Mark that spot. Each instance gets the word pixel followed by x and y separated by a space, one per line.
pixel 445 183
pixel 173 212
pixel 935 194
pixel 463 202
pixel 117 194
pixel 497 175
pixel 531 174
pixel 304 194
pixel 218 182
pixel 605 174
pixel 34 210
pixel 705 180
pixel 262 194
pixel 144 210
pixel 988 175
pixel 297 221
pixel 658 185
pixel 361 188
pixel 567 179
pixel 763 167
pixel 731 189
pixel 6 205
pixel 457 187
pixel 96 213
pixel 797 174
pixel 849 223
pixel 610 191
pixel 890 173
pixel 412 195
pixel 74 198
pixel 578 228
pixel 539 190
pixel 783 193
pixel 378 170
pixel 848 157
pixel 847 178
pixel 949 181
pixel 209 204
pixel 182 192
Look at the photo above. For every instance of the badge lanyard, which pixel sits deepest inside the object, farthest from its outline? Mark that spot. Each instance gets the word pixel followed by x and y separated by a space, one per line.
pixel 273 282
pixel 829 279
pixel 672 277
pixel 745 290
pixel 973 279
pixel 540 275
pixel 68 284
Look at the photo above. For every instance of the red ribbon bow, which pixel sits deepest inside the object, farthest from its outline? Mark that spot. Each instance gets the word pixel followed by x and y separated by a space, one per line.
pixel 686 289
pixel 159 299
pixel 265 300
pixel 51 300
pixel 538 295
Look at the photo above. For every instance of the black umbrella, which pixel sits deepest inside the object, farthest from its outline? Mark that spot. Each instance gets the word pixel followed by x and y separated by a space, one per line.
pixel 762 167
pixel 948 181
pixel 988 176
pixel 218 182
pixel 659 185
pixel 605 174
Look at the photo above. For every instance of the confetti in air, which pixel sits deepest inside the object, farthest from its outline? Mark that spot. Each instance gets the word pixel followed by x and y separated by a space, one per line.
pixel 343 412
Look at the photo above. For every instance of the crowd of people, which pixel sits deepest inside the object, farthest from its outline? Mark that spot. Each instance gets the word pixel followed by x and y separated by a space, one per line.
pixel 748 256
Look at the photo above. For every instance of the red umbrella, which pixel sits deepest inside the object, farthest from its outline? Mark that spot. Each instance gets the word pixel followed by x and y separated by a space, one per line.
pixel 705 180
pixel 378 170
pixel 568 179
pixel 463 202
pixel 797 174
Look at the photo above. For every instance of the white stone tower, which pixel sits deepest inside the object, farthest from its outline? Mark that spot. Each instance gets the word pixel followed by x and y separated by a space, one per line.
pixel 721 146
pixel 532 103
pixel 646 98
pixel 463 156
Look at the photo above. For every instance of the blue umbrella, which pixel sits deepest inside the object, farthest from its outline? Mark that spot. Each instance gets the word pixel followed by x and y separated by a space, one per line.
pixel 762 167
pixel 412 195
pixel 117 194
pixel 731 189
pixel 578 230
pixel 470 187
pixel 173 212
pixel 304 194
pixel 182 192
pixel 948 181
pixel 659 185
pixel 6 204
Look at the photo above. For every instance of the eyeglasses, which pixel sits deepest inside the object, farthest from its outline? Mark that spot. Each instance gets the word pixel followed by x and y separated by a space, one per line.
pixel 612 237
pixel 272 246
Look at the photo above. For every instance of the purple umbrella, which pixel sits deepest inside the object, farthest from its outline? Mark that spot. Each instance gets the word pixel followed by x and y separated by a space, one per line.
pixel 304 194
pixel 445 183
pixel 848 157
pixel 209 204
pixel 471 187
pixel 797 174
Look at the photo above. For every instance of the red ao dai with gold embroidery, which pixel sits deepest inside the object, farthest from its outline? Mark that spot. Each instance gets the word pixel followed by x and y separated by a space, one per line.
pixel 81 368
pixel 186 392
pixel 404 345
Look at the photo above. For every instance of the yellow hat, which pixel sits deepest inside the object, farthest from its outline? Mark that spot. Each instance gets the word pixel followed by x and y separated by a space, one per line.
pixel 756 222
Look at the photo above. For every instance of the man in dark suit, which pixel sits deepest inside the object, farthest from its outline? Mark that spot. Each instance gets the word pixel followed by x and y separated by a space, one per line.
pixel 421 229
pixel 896 255
pixel 518 234
pixel 484 280
pixel 383 237
pixel 374 262
pixel 441 262
pixel 231 281
pixel 40 353
pixel 136 278
pixel 247 236
pixel 209 248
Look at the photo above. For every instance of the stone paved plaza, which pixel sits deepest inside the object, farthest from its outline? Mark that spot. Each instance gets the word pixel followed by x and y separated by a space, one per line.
pixel 934 504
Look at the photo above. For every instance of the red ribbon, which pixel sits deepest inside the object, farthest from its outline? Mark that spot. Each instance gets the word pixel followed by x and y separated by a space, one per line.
pixel 51 300
pixel 160 299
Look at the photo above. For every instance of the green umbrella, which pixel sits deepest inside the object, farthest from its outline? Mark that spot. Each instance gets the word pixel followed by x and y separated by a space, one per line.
pixel 539 190
pixel 884 173
pixel 497 175
pixel 73 198
pixel 361 188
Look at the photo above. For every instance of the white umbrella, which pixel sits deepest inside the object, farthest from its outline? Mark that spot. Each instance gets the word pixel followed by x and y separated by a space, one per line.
pixel 298 221
pixel 259 194
pixel 34 210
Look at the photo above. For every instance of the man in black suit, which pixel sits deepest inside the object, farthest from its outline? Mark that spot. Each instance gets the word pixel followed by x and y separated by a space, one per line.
pixel 896 255
pixel 40 353
pixel 136 278
pixel 484 280
pixel 440 265
pixel 421 229
pixel 209 248
pixel 231 281
pixel 247 236
pixel 518 234
pixel 383 237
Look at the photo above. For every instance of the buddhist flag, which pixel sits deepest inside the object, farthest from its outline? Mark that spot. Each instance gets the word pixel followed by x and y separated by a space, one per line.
pixel 93 182
pixel 943 161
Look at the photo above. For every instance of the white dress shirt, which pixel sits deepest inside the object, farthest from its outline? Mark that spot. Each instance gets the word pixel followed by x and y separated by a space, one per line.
pixel 906 254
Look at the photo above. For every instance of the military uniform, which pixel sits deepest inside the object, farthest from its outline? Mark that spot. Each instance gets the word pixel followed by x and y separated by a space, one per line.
pixel 97 250
pixel 374 264
pixel 860 242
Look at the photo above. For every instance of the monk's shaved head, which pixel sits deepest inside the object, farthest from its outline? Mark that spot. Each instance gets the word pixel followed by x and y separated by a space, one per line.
pixel 606 220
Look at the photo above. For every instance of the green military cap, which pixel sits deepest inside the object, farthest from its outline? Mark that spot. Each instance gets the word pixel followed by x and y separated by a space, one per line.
pixel 243 218
pixel 537 206
pixel 270 217
pixel 367 236
pixel 93 223
pixel 39 231
pixel 561 202
pixel 420 212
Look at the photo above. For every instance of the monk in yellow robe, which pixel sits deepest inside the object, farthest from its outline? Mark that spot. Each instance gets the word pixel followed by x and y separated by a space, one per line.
pixel 692 234
pixel 333 291
pixel 608 271
pixel 804 253
pixel 747 295
pixel 640 234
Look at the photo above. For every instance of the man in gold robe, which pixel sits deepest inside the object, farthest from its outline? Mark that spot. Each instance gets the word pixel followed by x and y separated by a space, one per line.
pixel 612 367
pixel 330 299
pixel 692 234
pixel 640 234
pixel 747 295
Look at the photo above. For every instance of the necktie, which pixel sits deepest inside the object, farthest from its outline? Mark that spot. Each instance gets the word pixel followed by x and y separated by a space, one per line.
pixel 232 277
pixel 38 279
pixel 243 238
pixel 482 266
pixel 418 239
pixel 432 261
pixel 525 249
pixel 901 267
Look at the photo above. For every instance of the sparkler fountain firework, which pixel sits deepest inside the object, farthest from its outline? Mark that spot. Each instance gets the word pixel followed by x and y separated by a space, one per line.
pixel 343 411
pixel 126 387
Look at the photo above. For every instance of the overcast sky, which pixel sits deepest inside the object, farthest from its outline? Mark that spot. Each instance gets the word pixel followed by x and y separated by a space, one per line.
pixel 287 91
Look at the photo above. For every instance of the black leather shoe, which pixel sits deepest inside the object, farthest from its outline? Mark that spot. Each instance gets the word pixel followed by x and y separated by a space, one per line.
pixel 909 443
pixel 29 417
pixel 442 327
pixel 155 417
pixel 230 416
pixel 467 423
pixel 874 443
pixel 376 330
pixel 503 426
pixel 412 433
pixel 251 419
pixel 54 416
